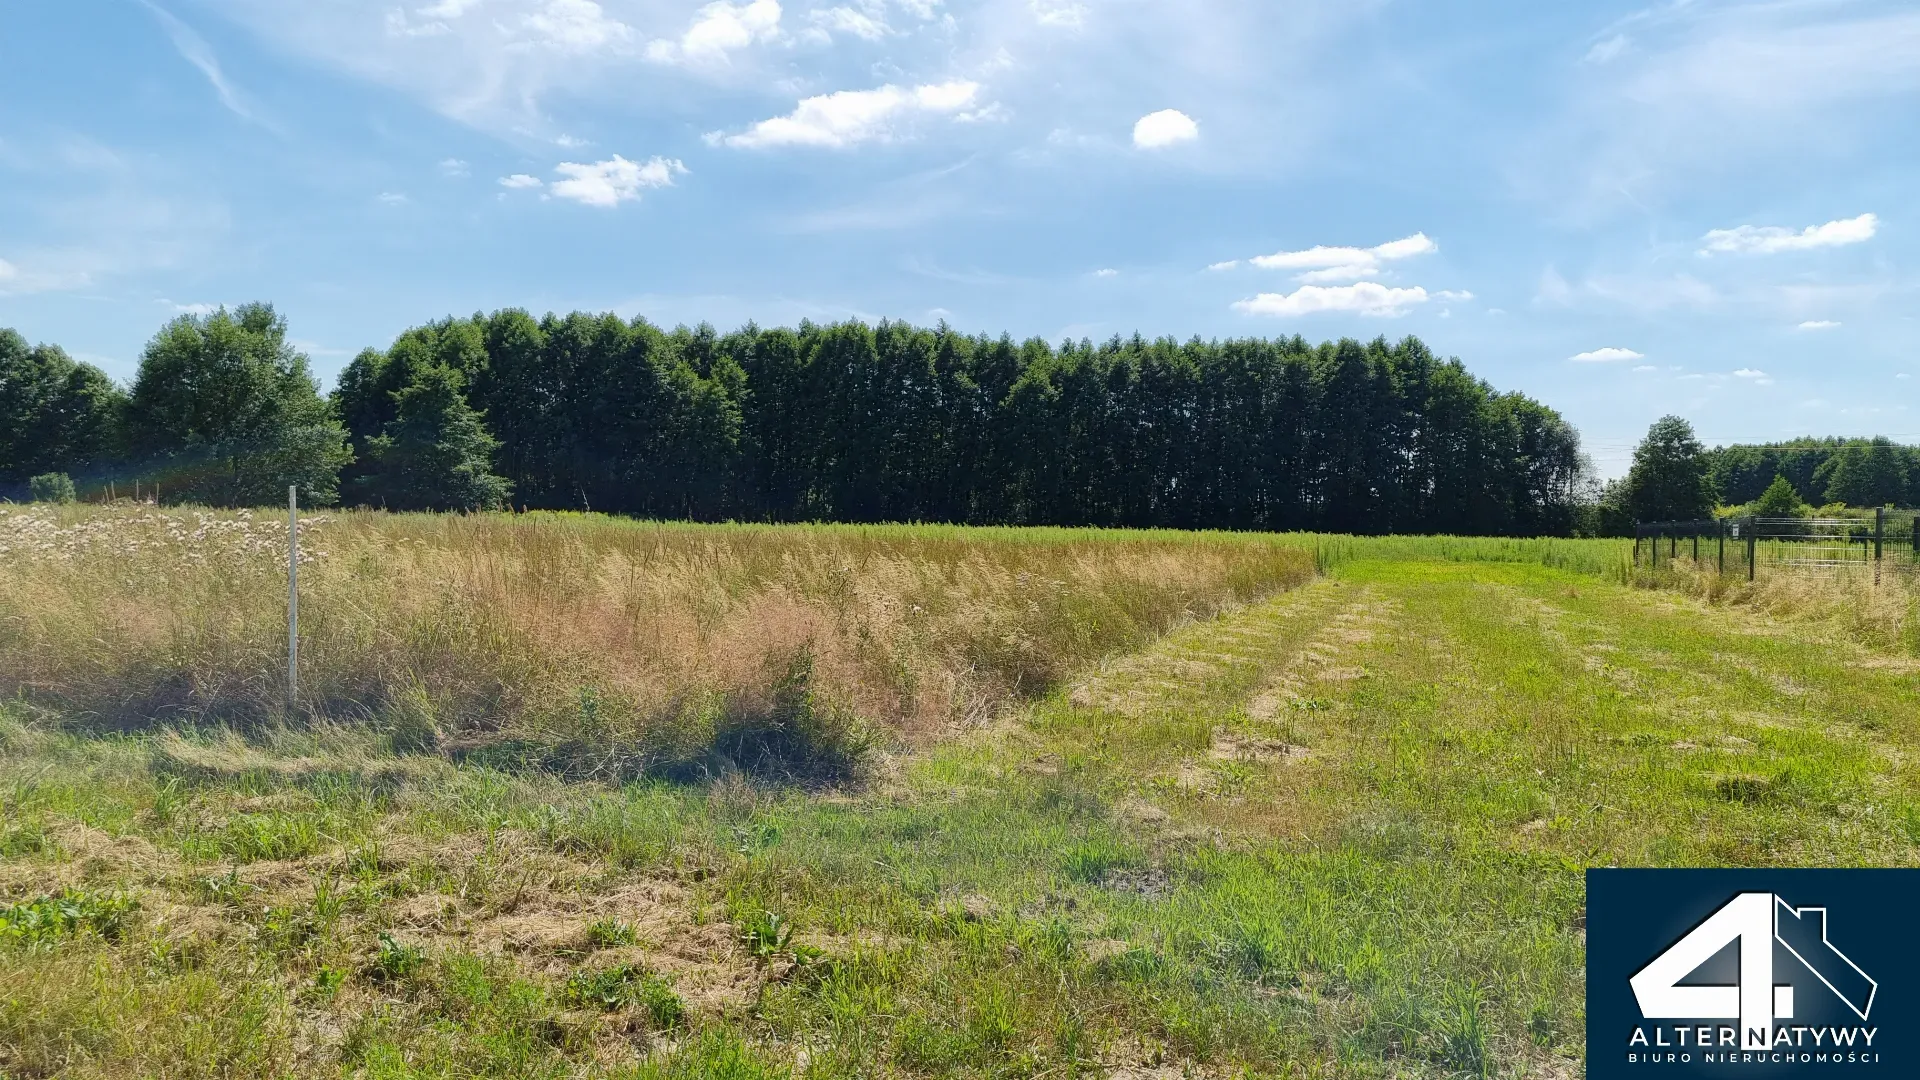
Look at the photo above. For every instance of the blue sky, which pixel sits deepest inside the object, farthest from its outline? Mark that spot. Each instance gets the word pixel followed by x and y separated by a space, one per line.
pixel 1709 208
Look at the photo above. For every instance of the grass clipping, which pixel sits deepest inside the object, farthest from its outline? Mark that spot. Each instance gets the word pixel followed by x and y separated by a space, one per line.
pixel 591 645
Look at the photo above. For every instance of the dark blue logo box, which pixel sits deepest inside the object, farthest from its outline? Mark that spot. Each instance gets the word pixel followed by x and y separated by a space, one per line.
pixel 1753 973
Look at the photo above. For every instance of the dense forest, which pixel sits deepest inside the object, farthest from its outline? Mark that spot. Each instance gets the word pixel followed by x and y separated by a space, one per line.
pixel 850 422
pixel 843 422
pixel 1853 472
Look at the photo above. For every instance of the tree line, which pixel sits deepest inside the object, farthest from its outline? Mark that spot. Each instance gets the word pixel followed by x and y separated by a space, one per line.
pixel 840 422
pixel 1675 478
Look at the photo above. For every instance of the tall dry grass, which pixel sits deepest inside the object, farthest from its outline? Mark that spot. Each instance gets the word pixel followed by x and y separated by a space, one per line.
pixel 593 643
pixel 1881 611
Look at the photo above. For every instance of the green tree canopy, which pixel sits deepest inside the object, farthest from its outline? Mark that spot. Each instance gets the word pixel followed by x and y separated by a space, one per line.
pixel 1867 474
pixel 1780 500
pixel 1668 480
pixel 55 414
pixel 435 453
pixel 225 408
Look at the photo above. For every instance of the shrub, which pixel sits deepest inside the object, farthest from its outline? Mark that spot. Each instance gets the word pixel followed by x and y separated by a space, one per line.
pixel 53 487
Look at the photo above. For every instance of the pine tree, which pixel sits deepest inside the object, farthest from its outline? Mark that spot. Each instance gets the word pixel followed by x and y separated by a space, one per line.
pixel 1780 500
pixel 435 453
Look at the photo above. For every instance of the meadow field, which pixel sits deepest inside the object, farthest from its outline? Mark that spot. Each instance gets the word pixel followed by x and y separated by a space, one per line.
pixel 574 796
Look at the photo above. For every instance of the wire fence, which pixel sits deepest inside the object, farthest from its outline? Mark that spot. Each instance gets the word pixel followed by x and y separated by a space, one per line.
pixel 1881 541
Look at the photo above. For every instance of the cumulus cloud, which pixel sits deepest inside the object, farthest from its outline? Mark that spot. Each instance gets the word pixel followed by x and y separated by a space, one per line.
pixel 614 181
pixel 718 29
pixel 1323 265
pixel 1168 127
pixel 1772 239
pixel 520 181
pixel 1605 356
pixel 1230 264
pixel 1364 298
pixel 1819 324
pixel 850 117
pixel 454 167
pixel 1107 272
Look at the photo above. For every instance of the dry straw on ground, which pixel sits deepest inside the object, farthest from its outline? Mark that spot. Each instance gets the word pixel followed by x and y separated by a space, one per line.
pixel 599 643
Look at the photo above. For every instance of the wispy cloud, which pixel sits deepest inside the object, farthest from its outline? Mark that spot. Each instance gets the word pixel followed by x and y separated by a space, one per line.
pixel 521 181
pixel 1773 239
pixel 851 117
pixel 1819 324
pixel 194 50
pixel 1363 298
pixel 16 280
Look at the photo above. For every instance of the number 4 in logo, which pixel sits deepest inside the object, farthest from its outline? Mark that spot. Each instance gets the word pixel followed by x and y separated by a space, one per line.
pixel 1756 921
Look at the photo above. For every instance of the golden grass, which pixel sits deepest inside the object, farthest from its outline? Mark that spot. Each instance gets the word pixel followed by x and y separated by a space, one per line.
pixel 1882 612
pixel 629 643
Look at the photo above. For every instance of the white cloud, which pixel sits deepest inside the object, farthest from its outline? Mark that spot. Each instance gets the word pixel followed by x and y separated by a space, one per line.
pixel 1106 273
pixel 845 20
pixel 614 181
pixel 447 9
pixel 1605 356
pixel 850 117
pixel 718 29
pixel 391 198
pixel 575 26
pixel 1070 14
pixel 1903 375
pixel 1325 265
pixel 455 168
pixel 1168 127
pixel 192 309
pixel 1453 296
pixel 1759 378
pixel 1364 298
pixel 1644 367
pixel 568 142
pixel 1772 239
pixel 1819 324
pixel 520 181
pixel 1230 264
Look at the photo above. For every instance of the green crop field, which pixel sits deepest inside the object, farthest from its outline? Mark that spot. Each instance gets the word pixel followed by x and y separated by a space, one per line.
pixel 578 797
